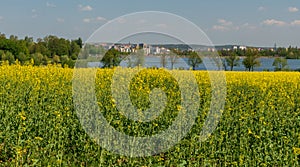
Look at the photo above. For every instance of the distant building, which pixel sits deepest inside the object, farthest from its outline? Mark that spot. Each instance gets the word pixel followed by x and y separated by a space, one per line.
pixel 242 47
pixel 211 49
pixel 156 50
pixel 145 48
pixel 239 47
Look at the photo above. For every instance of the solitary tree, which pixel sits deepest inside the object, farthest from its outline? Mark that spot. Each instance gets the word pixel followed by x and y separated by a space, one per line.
pixel 173 56
pixel 111 58
pixel 163 60
pixel 129 61
pixel 224 64
pixel 79 42
pixel 193 59
pixel 251 59
pixel 218 62
pixel 232 60
pixel 139 58
pixel 280 64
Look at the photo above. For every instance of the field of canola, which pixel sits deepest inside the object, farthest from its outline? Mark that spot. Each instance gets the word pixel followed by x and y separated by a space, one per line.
pixel 260 124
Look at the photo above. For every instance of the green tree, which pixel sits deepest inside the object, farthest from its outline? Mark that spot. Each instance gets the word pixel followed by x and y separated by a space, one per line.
pixel 37 58
pixel 22 57
pixel 79 42
pixel 28 40
pixel 8 56
pixel 223 62
pixel 13 38
pixel 251 59
pixel 194 59
pixel 40 47
pixel 2 53
pixel 74 50
pixel 84 53
pixel 57 46
pixel 291 55
pixel 282 52
pixel 173 56
pixel 111 58
pixel 239 52
pixel 267 53
pixel 232 60
pixel 219 62
pixel 2 36
pixel 163 60
pixel 139 58
pixel 56 59
pixel 128 59
pixel 64 59
pixel 13 45
pixel 67 62
pixel 280 64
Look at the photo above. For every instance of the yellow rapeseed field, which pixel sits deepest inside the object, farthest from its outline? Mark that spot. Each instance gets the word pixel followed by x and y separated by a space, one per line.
pixel 39 126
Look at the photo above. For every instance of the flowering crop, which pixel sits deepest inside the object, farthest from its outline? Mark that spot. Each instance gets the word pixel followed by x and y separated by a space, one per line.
pixel 259 125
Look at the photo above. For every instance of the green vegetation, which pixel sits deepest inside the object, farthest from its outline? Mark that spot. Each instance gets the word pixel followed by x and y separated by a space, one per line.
pixel 55 50
pixel 194 59
pixel 112 58
pixel 39 127
pixel 49 50
pixel 251 59
pixel 280 64
pixel 232 60
pixel 288 53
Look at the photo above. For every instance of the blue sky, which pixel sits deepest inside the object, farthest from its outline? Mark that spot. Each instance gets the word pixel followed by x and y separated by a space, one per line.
pixel 256 22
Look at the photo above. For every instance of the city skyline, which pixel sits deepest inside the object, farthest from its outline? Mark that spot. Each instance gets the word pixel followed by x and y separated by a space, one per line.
pixel 252 23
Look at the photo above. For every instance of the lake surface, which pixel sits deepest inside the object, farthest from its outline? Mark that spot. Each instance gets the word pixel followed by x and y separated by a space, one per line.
pixel 153 61
pixel 266 64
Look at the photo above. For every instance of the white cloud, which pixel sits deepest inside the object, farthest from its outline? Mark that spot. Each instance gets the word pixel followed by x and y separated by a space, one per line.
pixel 50 5
pixel 85 8
pixel 60 20
pixel 261 8
pixel 220 28
pixel 1 18
pixel 295 22
pixel 224 22
pixel 97 19
pixel 270 22
pixel 293 9
pixel 224 25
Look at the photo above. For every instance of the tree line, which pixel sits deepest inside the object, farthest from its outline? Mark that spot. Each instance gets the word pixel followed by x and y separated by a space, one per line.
pixel 48 50
pixel 54 50
pixel 114 57
pixel 231 58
